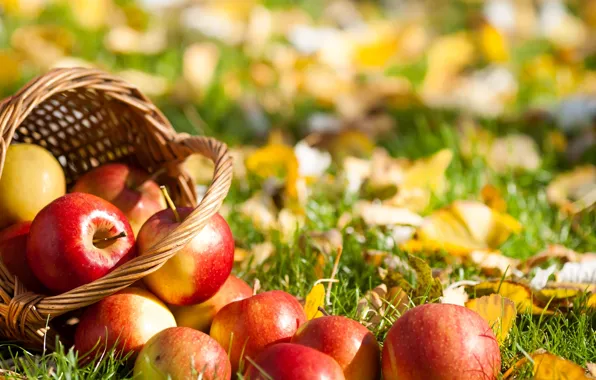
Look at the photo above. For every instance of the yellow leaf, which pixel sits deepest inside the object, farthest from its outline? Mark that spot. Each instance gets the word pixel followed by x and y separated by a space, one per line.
pixel 592 301
pixel 10 70
pixel 431 247
pixel 469 225
pixel 276 160
pixel 493 43
pixel 520 294
pixel 498 311
pixel 491 196
pixel 547 366
pixel 91 14
pixel 429 172
pixel 314 300
pixel 350 142
pixel 377 51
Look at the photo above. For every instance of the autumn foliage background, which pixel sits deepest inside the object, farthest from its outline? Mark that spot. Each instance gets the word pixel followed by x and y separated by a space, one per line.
pixel 437 151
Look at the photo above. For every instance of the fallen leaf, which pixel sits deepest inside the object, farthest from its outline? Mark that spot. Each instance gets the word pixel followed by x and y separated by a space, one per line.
pixel 428 247
pixel 426 286
pixel 578 273
pixel 455 296
pixel 43 45
pixel 498 311
pixel 199 63
pixel 546 366
pixel 514 152
pixel 520 294
pixel 381 303
pixel 261 210
pixel 469 225
pixel 314 300
pixel 493 43
pixel 91 14
pixel 376 214
pixel 556 296
pixel 494 264
pixel 574 191
pixel 277 161
pixel 591 368
pixel 491 196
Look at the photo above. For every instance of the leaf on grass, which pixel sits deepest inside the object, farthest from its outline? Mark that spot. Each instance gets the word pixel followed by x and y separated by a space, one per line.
pixel 498 311
pixel 275 161
pixel 455 296
pixel 380 303
pixel 547 366
pixel 469 225
pixel 314 300
pixel 519 293
pixel 491 196
pixel 514 152
pixel 375 214
pixel 426 287
pixel 558 252
pixel 591 368
pixel 556 296
pixel 574 191
pixel 494 264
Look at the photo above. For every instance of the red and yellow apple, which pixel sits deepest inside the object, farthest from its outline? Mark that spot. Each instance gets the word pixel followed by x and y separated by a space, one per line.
pixel 77 239
pixel 180 353
pixel 293 361
pixel 199 269
pixel 125 320
pixel 13 248
pixel 352 345
pixel 440 341
pixel 31 178
pixel 200 316
pixel 246 327
pixel 128 188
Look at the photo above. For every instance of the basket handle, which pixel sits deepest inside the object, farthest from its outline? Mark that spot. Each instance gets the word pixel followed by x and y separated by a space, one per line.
pixel 132 271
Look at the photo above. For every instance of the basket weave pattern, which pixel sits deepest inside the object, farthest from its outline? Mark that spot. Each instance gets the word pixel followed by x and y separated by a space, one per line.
pixel 86 118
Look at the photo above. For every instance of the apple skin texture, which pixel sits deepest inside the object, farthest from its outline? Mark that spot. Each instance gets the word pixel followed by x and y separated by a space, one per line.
pixel 127 188
pixel 30 180
pixel 199 269
pixel 256 322
pixel 286 361
pixel 200 316
pixel 13 251
pixel 180 353
pixel 352 345
pixel 440 341
pixel 129 317
pixel 60 248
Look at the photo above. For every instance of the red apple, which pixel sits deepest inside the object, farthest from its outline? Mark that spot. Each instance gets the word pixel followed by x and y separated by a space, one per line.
pixel 246 327
pixel 200 316
pixel 77 239
pixel 199 269
pixel 440 341
pixel 13 251
pixel 125 320
pixel 352 345
pixel 128 188
pixel 181 353
pixel 293 361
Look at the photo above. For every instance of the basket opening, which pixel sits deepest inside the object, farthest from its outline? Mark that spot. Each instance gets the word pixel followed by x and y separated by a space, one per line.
pixel 83 129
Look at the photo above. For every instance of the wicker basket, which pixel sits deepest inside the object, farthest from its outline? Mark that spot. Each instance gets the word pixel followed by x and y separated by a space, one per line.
pixel 86 118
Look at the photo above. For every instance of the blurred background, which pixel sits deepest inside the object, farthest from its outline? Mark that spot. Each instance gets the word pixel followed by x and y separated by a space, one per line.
pixel 235 69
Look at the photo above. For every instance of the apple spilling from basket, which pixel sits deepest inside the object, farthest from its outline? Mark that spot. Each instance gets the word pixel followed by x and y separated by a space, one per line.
pixel 192 318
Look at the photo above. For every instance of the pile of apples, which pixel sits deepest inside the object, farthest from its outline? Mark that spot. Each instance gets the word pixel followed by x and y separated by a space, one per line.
pixel 192 318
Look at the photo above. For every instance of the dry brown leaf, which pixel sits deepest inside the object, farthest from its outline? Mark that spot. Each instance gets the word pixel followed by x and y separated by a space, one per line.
pixel 376 214
pixel 559 252
pixel 499 312
pixel 379 303
pixel 574 191
pixel 494 264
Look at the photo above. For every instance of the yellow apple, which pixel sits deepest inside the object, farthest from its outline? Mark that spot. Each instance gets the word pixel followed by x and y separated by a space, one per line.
pixel 31 179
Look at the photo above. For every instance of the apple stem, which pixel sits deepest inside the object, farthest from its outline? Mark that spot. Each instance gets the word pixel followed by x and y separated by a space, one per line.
pixel 325 313
pixel 170 203
pixel 152 177
pixel 108 239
